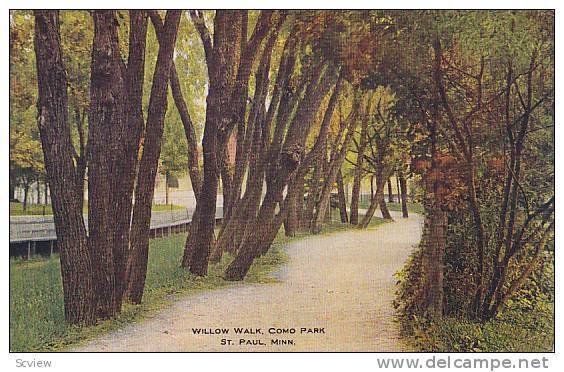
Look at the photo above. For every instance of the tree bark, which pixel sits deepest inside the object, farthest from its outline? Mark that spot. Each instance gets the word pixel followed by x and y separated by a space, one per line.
pixel 342 198
pixel 384 209
pixel 222 62
pixel 390 192
pixel 313 193
pixel 144 192
pixel 432 263
pixel 110 181
pixel 375 201
pixel 38 190
pixel 26 196
pixel 403 194
pixel 55 133
pixel 283 167
pixel 358 172
pixel 291 223
pixel 337 158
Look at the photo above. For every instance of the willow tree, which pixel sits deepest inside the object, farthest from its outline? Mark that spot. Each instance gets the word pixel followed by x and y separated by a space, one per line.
pixel 97 267
pixel 230 56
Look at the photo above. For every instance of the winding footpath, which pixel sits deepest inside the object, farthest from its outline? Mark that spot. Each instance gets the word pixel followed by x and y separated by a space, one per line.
pixel 336 292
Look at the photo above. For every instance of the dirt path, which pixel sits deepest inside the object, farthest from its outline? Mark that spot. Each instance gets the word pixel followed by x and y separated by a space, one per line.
pixel 342 283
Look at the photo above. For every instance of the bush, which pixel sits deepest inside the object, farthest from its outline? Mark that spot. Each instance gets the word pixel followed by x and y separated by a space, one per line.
pixel 526 324
pixel 515 330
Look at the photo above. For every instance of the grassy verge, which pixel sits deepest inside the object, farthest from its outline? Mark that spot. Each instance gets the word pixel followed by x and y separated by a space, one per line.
pixel 516 330
pixel 36 300
pixel 16 209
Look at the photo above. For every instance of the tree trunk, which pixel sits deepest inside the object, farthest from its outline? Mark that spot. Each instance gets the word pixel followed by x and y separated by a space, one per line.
pixel 337 159
pixel 291 223
pixel 398 188
pixel 144 192
pixel 355 198
pixel 222 61
pixel 480 237
pixel 358 172
pixel 226 183
pixel 384 209
pixel 403 193
pixel 189 132
pixel 38 189
pixel 26 194
pixel 253 242
pixel 313 194
pixel 109 205
pixel 376 200
pixel 390 192
pixel 55 133
pixel 432 263
pixel 200 239
pixel 342 198
pixel 287 165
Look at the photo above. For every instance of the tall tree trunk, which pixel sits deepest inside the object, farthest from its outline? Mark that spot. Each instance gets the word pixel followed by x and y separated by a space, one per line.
pixel 434 239
pixel 358 172
pixel 144 192
pixel 55 133
pixel 403 194
pixel 107 185
pixel 432 263
pixel 342 197
pixel 222 62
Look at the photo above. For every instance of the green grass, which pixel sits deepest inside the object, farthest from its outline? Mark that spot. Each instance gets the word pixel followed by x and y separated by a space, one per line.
pixel 36 300
pixel 165 207
pixel 516 330
pixel 16 209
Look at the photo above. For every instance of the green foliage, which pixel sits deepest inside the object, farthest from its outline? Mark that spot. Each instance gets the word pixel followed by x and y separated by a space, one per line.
pixel 526 325
pixel 26 157
pixel 174 149
pixel 516 330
